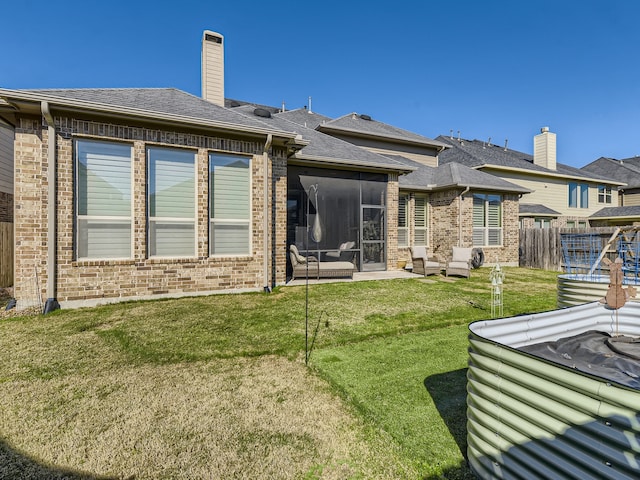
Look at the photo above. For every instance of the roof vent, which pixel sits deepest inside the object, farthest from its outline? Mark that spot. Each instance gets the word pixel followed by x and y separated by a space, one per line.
pixel 365 117
pixel 262 112
pixel 234 103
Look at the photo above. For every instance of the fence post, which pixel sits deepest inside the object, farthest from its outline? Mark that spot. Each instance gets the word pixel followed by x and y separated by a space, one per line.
pixel 6 254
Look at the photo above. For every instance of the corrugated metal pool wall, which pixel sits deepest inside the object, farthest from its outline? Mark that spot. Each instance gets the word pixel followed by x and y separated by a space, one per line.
pixel 579 289
pixel 528 418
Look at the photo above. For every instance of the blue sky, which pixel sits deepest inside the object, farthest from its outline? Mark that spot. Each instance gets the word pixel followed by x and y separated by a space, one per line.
pixel 499 69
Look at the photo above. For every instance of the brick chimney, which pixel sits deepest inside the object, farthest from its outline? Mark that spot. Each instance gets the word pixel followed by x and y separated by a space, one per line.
pixel 213 67
pixel 544 149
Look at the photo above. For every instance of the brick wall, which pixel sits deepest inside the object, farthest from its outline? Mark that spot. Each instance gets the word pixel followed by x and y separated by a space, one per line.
pixel 444 223
pixel 92 281
pixel 451 224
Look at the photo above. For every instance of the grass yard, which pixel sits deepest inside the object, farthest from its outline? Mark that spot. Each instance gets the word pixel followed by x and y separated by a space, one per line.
pixel 217 387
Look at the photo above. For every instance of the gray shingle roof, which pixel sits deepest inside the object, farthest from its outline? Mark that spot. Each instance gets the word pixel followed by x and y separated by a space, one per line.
pixel 304 117
pixel 453 175
pixel 164 101
pixel 537 209
pixel 325 148
pixel 364 125
pixel 626 170
pixel 613 212
pixel 476 153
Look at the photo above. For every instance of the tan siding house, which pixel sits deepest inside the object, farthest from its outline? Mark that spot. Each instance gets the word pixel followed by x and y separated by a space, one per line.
pixel 560 195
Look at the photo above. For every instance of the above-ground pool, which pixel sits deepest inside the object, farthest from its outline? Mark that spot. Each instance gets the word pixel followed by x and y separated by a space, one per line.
pixel 576 289
pixel 529 417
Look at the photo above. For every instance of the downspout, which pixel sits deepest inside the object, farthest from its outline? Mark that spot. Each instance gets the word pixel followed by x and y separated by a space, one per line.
pixel 460 216
pixel 51 303
pixel 266 216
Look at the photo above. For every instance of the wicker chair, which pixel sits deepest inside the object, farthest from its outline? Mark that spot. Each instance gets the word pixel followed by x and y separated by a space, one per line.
pixel 460 263
pixel 317 269
pixel 422 264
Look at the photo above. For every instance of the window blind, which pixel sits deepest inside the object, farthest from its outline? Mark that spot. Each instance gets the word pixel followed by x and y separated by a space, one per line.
pixel 420 220
pixel 230 205
pixel 103 195
pixel 172 203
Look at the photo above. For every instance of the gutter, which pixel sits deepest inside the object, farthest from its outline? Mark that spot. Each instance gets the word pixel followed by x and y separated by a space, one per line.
pixel 51 303
pixel 266 216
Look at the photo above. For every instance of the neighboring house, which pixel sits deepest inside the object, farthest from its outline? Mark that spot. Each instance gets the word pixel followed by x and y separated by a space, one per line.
pixel 561 196
pixel 6 173
pixel 625 204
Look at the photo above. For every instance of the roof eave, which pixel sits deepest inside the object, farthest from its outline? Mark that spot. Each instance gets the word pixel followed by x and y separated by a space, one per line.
pixel 351 163
pixel 74 105
pixel 546 174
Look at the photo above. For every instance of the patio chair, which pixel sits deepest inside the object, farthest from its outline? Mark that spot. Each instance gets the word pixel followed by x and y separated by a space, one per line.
pixel 422 264
pixel 299 264
pixel 342 254
pixel 460 263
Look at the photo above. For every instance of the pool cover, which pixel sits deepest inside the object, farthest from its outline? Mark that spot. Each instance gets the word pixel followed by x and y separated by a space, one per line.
pixel 616 359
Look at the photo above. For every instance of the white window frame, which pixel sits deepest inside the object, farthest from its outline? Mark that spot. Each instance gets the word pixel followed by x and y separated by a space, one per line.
pixel 486 229
pixel 403 219
pixel 604 194
pixel 101 218
pixel 248 221
pixel 169 220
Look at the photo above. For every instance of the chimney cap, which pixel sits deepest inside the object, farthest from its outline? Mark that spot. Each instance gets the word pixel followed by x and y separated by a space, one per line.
pixel 544 129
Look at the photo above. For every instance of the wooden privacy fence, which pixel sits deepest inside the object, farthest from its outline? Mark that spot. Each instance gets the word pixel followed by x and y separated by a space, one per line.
pixel 542 248
pixel 6 254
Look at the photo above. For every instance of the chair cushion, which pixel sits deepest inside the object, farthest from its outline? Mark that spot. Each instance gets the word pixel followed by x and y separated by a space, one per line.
pixel 419 252
pixel 296 255
pixel 428 264
pixel 458 265
pixel 461 254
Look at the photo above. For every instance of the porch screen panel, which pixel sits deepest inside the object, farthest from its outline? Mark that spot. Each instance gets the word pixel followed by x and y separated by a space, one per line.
pixel 172 204
pixel 230 205
pixel 420 220
pixel 337 208
pixel 103 196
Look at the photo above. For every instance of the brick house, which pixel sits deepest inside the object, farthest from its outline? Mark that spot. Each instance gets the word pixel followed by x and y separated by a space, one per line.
pixel 146 193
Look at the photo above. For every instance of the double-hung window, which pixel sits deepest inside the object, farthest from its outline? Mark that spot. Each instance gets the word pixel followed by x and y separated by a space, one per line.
pixel 604 194
pixel 420 220
pixel 487 220
pixel 229 205
pixel 171 202
pixel 103 200
pixel 578 195
pixel 403 221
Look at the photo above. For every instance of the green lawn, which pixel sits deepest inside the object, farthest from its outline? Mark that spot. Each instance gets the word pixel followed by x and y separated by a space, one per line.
pixel 217 386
